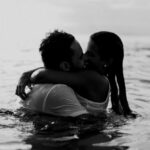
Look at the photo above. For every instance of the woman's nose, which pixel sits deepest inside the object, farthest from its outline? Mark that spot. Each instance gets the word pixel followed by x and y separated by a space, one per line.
pixel 85 60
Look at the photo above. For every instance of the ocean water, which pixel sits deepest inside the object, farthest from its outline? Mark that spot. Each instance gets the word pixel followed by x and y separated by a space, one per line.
pixel 19 131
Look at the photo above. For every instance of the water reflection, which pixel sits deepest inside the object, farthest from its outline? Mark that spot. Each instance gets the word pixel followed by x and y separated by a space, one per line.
pixel 86 133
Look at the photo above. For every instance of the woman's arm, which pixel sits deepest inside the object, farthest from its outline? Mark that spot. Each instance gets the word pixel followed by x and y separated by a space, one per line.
pixel 73 79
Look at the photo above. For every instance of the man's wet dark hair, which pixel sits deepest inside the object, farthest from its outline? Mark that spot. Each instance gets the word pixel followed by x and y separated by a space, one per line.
pixel 109 44
pixel 55 48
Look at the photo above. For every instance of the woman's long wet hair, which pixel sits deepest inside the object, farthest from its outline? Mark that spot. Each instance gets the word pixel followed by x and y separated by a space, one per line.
pixel 109 45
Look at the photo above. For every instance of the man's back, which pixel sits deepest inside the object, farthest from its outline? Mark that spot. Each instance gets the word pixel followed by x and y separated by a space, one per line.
pixel 88 84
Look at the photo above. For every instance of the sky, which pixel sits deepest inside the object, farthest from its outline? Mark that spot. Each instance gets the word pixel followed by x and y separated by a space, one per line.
pixel 23 23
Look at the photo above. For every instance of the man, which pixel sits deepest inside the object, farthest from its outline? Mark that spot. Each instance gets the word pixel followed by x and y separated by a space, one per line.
pixel 61 52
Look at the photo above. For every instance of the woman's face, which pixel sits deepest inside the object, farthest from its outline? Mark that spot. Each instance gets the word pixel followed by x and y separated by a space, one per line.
pixel 94 60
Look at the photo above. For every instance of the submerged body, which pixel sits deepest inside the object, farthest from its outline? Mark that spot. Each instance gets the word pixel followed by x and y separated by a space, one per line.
pixel 61 100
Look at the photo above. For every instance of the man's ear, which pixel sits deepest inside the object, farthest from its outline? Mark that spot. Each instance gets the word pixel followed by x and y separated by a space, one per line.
pixel 65 66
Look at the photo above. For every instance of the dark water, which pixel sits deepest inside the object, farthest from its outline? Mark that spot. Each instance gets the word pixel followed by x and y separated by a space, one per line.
pixel 19 131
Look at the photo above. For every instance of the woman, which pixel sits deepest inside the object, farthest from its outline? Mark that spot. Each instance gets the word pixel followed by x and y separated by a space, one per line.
pixel 107 48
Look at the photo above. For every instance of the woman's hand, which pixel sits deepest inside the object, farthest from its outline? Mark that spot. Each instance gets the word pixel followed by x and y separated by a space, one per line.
pixel 24 82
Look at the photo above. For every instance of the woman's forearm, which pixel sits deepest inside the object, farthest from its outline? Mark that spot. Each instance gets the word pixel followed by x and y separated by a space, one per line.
pixel 52 76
